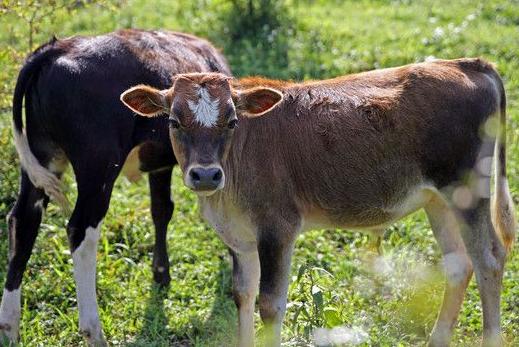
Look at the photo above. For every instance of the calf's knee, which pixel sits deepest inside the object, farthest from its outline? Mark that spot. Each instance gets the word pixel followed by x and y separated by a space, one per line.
pixel 458 268
pixel 242 297
pixel 272 308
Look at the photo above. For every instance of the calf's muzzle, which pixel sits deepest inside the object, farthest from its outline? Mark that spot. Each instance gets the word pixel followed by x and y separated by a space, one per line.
pixel 205 178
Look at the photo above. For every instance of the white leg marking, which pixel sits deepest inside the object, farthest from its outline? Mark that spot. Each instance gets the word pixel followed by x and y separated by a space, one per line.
pixel 10 313
pixel 205 110
pixel 131 167
pixel 84 258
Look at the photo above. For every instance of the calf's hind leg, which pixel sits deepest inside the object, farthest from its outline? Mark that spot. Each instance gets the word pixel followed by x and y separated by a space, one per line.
pixel 94 189
pixel 458 269
pixel 23 222
pixel 488 257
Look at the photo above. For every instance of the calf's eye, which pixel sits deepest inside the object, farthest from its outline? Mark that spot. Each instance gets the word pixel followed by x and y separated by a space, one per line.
pixel 174 123
pixel 232 123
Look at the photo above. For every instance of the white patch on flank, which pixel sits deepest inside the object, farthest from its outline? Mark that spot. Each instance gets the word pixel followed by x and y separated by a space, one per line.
pixel 131 167
pixel 205 110
pixel 10 313
pixel 339 336
pixel 84 258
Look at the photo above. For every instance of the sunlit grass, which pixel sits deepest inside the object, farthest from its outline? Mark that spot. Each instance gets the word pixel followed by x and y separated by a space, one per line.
pixel 333 283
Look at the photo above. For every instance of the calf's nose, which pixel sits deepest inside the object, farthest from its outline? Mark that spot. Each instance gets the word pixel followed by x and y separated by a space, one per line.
pixel 205 178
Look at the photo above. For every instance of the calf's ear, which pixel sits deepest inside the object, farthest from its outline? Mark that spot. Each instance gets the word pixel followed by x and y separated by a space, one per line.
pixel 146 101
pixel 257 101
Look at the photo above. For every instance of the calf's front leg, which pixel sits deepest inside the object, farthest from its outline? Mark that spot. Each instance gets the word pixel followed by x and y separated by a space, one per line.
pixel 161 211
pixel 245 280
pixel 275 246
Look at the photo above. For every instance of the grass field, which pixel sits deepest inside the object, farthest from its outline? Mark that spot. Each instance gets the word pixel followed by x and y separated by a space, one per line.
pixel 332 284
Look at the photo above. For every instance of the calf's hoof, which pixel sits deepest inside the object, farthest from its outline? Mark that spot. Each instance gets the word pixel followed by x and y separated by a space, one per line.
pixel 495 340
pixel 433 343
pixel 8 335
pixel 94 339
pixel 440 337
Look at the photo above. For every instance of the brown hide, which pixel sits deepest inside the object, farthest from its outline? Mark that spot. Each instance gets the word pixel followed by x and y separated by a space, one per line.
pixel 359 151
pixel 352 147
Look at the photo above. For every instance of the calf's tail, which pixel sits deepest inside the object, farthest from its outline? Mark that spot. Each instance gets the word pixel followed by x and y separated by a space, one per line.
pixel 39 175
pixel 502 209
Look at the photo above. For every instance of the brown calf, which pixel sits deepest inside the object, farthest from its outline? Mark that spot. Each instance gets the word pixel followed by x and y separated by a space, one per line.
pixel 359 152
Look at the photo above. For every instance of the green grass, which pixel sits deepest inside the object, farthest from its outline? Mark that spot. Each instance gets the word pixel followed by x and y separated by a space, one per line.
pixel 332 283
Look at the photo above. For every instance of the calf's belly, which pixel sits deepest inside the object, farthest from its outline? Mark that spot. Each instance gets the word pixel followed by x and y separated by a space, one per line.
pixel 372 217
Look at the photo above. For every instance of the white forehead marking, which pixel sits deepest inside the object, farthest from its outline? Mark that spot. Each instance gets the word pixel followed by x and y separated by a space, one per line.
pixel 205 110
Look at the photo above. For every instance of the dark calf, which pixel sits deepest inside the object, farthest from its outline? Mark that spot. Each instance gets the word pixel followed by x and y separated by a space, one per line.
pixel 73 115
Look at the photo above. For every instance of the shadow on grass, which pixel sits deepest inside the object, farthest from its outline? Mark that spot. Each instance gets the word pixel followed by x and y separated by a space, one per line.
pixel 155 331
pixel 217 330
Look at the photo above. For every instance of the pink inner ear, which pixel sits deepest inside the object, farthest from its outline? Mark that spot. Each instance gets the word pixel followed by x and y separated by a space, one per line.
pixel 261 101
pixel 141 102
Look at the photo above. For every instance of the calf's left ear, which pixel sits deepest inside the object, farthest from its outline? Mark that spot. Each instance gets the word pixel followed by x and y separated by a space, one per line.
pixel 257 101
pixel 146 101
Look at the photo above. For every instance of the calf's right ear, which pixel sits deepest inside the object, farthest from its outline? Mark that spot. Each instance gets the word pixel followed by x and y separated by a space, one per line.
pixel 146 101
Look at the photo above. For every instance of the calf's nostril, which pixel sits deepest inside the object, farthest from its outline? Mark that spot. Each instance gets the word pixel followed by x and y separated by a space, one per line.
pixel 217 176
pixel 194 175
